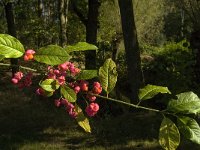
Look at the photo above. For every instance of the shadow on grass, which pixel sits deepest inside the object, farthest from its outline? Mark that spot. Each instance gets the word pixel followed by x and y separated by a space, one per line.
pixel 31 122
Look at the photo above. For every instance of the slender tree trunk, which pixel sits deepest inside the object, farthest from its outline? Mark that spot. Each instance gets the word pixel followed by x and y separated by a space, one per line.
pixel 131 48
pixel 11 30
pixel 40 17
pixel 63 10
pixel 40 8
pixel 91 32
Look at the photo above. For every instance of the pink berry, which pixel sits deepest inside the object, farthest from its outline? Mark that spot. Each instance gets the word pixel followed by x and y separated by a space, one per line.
pixel 57 103
pixel 97 90
pixel 92 109
pixel 77 89
pixel 63 101
pixel 63 67
pixel 73 114
pixel 94 106
pixel 40 91
pixel 61 80
pixel 18 75
pixel 29 54
pixel 96 84
pixel 84 85
pixel 91 98
pixel 14 80
pixel 30 51
pixel 56 72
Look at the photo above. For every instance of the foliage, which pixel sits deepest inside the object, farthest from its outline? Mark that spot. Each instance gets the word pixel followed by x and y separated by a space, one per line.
pixel 169 136
pixel 108 75
pixel 169 65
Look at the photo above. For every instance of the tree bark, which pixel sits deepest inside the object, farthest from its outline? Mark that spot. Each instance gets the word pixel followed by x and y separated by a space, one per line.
pixel 91 32
pixel 11 30
pixel 63 11
pixel 131 48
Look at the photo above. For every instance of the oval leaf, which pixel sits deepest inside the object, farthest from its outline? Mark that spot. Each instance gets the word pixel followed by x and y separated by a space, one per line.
pixel 52 55
pixel 87 74
pixel 80 46
pixel 108 75
pixel 189 128
pixel 150 91
pixel 68 93
pixel 169 137
pixel 10 47
pixel 82 120
pixel 49 85
pixel 187 103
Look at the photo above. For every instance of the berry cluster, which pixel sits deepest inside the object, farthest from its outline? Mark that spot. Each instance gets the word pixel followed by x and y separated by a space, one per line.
pixel 21 80
pixel 65 75
pixel 70 108
pixel 62 71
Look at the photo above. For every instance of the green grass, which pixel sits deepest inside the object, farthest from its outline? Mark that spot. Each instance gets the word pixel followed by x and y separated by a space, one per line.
pixel 29 122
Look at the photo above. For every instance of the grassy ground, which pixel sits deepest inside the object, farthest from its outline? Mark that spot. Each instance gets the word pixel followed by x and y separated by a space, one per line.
pixel 33 123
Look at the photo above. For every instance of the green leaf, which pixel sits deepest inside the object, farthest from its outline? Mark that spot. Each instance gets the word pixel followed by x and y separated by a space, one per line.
pixel 187 103
pixel 10 47
pixel 2 57
pixel 150 91
pixel 108 75
pixel 52 55
pixel 80 46
pixel 189 128
pixel 169 137
pixel 49 85
pixel 87 74
pixel 82 120
pixel 68 93
pixel 48 94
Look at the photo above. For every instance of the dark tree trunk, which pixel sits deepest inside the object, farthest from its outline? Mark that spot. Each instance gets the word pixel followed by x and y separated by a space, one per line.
pixel 11 30
pixel 63 10
pixel 91 32
pixel 131 48
pixel 195 45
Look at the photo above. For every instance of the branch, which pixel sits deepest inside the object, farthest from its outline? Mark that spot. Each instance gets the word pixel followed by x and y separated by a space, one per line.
pixel 26 68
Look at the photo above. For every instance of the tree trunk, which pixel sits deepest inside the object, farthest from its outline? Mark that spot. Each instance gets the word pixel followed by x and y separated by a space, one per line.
pixel 40 17
pixel 40 8
pixel 91 32
pixel 12 31
pixel 131 48
pixel 63 10
pixel 195 45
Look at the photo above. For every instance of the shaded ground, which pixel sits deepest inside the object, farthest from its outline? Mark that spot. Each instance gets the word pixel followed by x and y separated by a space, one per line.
pixel 33 123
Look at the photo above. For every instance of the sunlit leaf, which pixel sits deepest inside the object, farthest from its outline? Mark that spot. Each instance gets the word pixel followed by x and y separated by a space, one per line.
pixel 82 120
pixel 150 91
pixel 49 85
pixel 80 46
pixel 187 103
pixel 87 74
pixel 169 137
pixel 108 75
pixel 189 128
pixel 68 93
pixel 10 47
pixel 52 55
